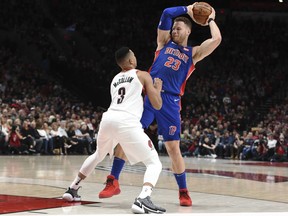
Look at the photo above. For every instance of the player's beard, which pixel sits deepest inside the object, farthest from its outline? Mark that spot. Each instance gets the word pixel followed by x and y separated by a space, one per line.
pixel 176 38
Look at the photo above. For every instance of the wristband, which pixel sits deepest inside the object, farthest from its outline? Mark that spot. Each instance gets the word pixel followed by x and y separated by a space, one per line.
pixel 209 20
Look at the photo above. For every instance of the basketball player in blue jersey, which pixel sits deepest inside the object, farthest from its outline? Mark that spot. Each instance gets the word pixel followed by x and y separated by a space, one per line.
pixel 174 62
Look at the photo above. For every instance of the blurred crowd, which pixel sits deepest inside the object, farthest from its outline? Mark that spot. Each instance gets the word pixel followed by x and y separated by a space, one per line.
pixel 38 116
pixel 221 109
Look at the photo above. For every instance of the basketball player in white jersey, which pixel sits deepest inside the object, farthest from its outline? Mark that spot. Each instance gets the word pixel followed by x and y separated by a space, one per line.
pixel 121 124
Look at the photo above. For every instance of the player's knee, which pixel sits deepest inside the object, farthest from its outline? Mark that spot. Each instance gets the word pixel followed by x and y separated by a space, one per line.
pixel 154 162
pixel 158 165
pixel 173 149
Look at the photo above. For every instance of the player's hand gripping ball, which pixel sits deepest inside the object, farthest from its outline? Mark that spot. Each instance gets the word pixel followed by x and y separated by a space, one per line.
pixel 201 12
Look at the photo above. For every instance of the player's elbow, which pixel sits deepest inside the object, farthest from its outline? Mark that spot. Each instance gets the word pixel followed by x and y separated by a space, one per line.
pixel 214 43
pixel 167 12
pixel 217 40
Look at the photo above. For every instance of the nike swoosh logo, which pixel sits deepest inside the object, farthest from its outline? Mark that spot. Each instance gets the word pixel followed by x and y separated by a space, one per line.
pixel 176 100
pixel 140 204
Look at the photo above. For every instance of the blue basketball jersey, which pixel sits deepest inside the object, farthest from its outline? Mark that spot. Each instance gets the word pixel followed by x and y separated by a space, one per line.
pixel 173 64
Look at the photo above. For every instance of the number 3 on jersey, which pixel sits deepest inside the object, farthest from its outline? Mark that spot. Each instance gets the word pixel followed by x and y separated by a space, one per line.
pixel 173 63
pixel 121 93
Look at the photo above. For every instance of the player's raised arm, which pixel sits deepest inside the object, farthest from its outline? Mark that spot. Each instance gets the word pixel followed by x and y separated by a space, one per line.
pixel 209 45
pixel 166 22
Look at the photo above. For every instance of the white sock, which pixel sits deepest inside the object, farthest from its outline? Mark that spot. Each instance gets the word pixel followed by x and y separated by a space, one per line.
pixel 75 184
pixel 146 191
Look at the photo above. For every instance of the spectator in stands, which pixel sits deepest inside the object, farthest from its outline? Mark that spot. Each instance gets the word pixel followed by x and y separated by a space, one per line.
pixel 220 141
pixel 280 154
pixel 14 143
pixel 259 146
pixel 83 136
pixel 246 148
pixel 191 143
pixel 91 127
pixel 58 143
pixel 185 141
pixel 62 132
pixel 78 147
pixel 206 148
pixel 4 136
pixel 27 139
pixel 47 147
pixel 238 141
pixel 37 139
pixel 270 148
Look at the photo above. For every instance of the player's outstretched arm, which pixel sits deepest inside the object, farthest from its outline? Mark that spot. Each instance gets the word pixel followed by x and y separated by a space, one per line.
pixel 166 22
pixel 209 45
pixel 153 90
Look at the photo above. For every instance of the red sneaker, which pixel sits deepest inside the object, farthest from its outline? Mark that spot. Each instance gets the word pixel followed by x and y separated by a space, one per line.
pixel 184 198
pixel 111 189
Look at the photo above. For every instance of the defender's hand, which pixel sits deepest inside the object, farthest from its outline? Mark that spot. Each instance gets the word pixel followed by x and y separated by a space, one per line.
pixel 158 84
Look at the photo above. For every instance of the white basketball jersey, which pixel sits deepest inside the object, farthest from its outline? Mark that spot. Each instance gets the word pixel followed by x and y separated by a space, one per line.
pixel 126 90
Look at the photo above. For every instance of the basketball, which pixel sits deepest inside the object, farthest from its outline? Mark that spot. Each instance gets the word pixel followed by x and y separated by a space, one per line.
pixel 201 12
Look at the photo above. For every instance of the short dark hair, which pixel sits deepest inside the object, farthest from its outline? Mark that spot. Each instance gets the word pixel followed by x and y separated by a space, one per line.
pixel 185 20
pixel 121 53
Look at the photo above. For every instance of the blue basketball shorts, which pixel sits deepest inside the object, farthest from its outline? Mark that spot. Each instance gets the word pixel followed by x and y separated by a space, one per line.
pixel 168 117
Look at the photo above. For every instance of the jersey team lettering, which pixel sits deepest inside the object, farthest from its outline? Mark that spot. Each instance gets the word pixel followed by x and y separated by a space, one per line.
pixel 178 53
pixel 123 80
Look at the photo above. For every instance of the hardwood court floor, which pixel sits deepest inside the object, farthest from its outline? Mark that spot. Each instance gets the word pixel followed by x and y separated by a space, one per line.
pixel 33 185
